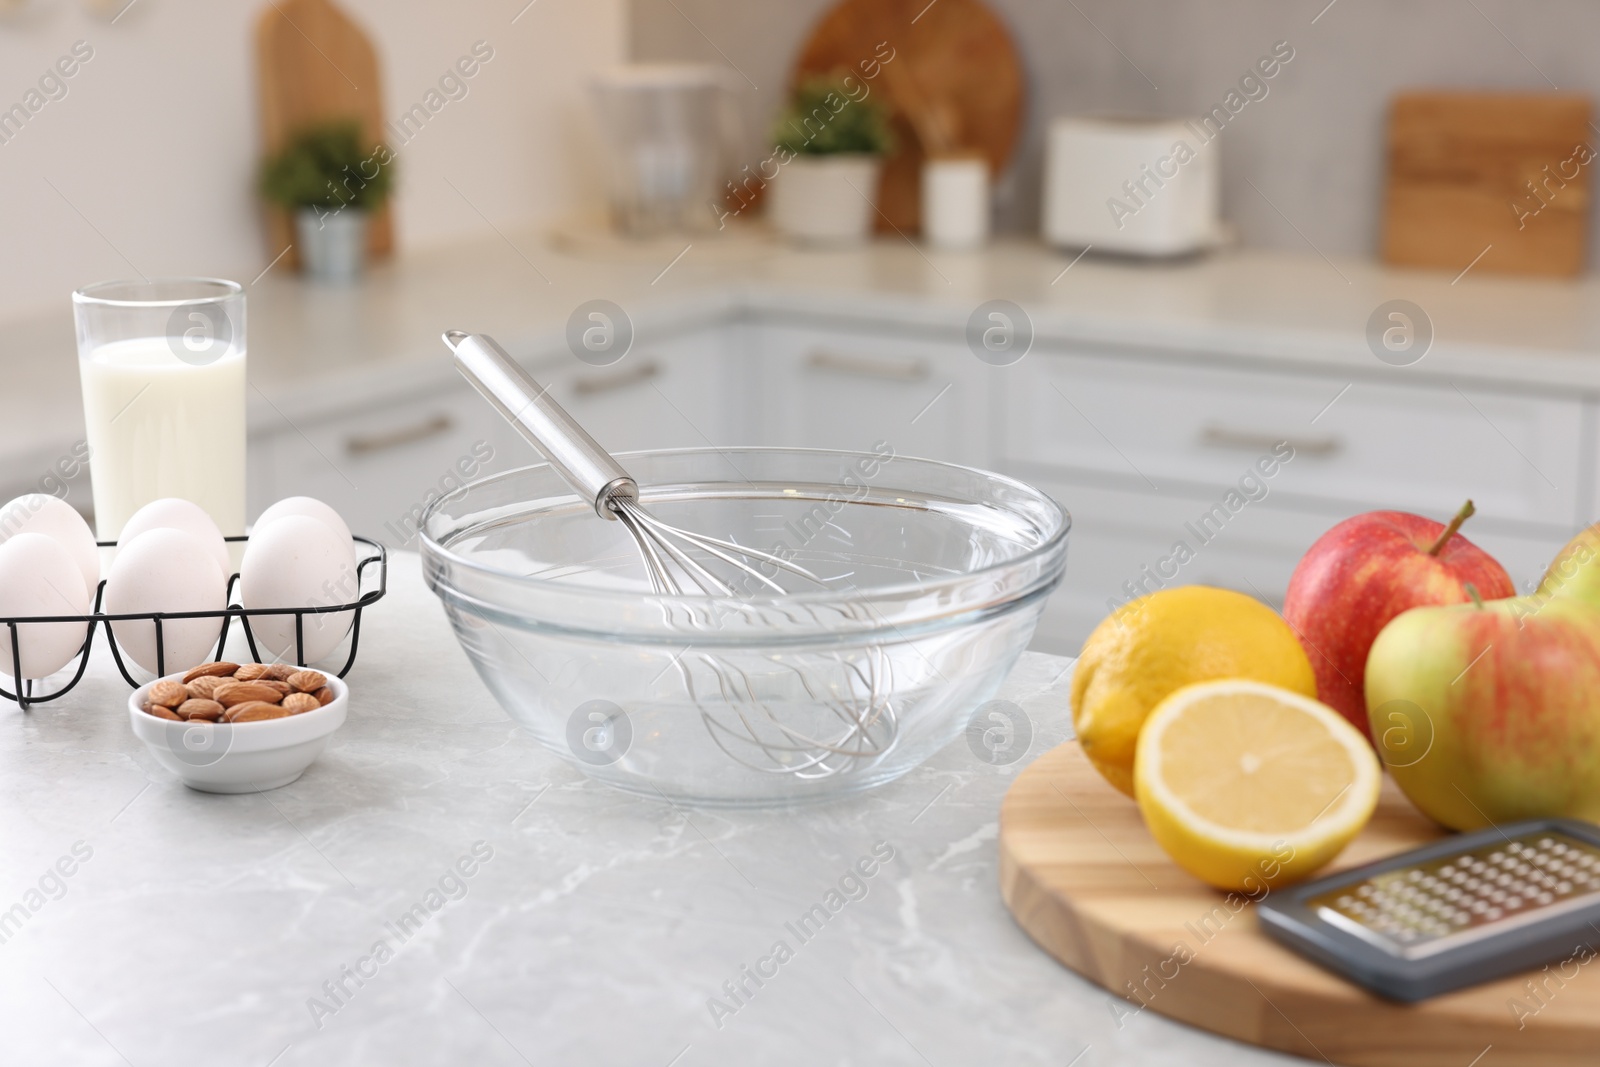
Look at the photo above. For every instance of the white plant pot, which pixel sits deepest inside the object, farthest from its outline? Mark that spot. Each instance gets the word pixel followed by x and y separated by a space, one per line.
pixel 825 199
pixel 333 244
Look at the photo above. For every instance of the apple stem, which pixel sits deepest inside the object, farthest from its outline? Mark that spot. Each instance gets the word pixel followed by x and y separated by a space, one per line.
pixel 1472 591
pixel 1462 516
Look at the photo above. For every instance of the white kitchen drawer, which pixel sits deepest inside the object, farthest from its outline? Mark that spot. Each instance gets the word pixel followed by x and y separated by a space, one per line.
pixel 1165 427
pixel 848 389
pixel 378 466
pixel 669 394
pixel 1117 534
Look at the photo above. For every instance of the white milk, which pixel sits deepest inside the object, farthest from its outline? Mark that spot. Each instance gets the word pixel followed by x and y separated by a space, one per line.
pixel 160 427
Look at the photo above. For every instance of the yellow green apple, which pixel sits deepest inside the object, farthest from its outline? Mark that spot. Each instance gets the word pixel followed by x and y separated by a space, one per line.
pixel 1489 712
pixel 1575 572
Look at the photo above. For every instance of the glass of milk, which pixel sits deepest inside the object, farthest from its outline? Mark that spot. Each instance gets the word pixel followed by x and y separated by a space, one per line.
pixel 163 370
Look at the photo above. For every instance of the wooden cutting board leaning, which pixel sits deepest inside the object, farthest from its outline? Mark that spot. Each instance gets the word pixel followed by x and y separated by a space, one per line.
pixel 1495 181
pixel 1085 879
pixel 314 64
pixel 955 81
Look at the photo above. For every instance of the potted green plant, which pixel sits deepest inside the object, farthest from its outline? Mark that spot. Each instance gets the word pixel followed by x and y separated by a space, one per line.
pixel 829 146
pixel 332 181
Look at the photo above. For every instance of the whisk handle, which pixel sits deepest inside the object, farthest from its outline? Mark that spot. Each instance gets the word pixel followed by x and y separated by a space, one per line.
pixel 528 407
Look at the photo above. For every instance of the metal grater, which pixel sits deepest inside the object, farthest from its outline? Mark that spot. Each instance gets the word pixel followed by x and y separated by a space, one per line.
pixel 1458 912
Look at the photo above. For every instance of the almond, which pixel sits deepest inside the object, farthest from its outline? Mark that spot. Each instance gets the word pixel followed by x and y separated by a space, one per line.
pixel 308 681
pixel 208 710
pixel 283 688
pixel 324 695
pixel 301 702
pixel 211 670
pixel 253 711
pixel 168 694
pixel 250 672
pixel 204 686
pixel 232 693
pixel 161 713
pixel 280 672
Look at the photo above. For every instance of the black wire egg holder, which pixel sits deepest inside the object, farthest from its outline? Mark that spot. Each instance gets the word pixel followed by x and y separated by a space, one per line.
pixel 377 558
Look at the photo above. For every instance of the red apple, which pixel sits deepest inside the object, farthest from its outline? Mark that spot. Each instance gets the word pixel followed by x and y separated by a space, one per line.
pixel 1364 572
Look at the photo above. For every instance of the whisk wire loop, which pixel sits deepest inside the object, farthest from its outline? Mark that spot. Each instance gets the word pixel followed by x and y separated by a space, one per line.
pixel 759 722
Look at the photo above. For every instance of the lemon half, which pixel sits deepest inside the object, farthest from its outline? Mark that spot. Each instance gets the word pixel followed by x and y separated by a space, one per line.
pixel 1248 786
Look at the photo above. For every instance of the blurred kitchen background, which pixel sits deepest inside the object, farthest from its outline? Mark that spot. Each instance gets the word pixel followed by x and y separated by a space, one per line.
pixel 1141 384
pixel 1315 147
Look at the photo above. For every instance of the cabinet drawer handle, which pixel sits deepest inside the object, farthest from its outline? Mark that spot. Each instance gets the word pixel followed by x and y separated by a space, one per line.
pixel 897 370
pixel 366 444
pixel 1222 437
pixel 605 383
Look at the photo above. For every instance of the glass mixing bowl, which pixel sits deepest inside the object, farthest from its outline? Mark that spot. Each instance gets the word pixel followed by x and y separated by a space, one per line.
pixel 933 578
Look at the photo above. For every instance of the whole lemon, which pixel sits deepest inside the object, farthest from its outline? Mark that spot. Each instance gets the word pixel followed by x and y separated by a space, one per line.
pixel 1157 644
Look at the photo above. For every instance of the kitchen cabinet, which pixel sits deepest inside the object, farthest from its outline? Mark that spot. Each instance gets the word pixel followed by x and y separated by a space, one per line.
pixel 849 388
pixel 1142 448
pixel 378 466
pixel 381 465
pixel 1144 453
pixel 1358 443
pixel 1120 538
pixel 1122 544
pixel 673 392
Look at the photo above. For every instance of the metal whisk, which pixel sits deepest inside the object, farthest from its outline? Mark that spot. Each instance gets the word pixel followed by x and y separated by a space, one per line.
pixel 857 721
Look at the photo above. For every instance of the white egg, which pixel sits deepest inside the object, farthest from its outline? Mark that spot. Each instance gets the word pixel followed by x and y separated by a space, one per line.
pixel 297 562
pixel 311 508
pixel 39 577
pixel 58 520
pixel 165 570
pixel 173 513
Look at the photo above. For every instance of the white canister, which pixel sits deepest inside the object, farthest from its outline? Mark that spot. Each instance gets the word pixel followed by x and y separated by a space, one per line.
pixel 955 202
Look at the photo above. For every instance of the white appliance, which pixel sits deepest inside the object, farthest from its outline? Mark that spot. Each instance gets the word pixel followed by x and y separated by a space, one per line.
pixel 1145 187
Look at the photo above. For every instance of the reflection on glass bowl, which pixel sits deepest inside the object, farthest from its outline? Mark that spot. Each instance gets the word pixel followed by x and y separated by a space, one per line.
pixel 934 577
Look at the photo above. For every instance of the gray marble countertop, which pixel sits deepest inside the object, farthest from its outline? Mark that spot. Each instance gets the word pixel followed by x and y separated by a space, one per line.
pixel 594 928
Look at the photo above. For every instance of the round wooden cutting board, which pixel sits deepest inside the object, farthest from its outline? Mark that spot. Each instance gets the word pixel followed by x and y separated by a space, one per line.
pixel 955 72
pixel 1085 879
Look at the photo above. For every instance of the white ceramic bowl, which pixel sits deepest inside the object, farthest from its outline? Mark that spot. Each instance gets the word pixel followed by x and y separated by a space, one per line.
pixel 245 757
